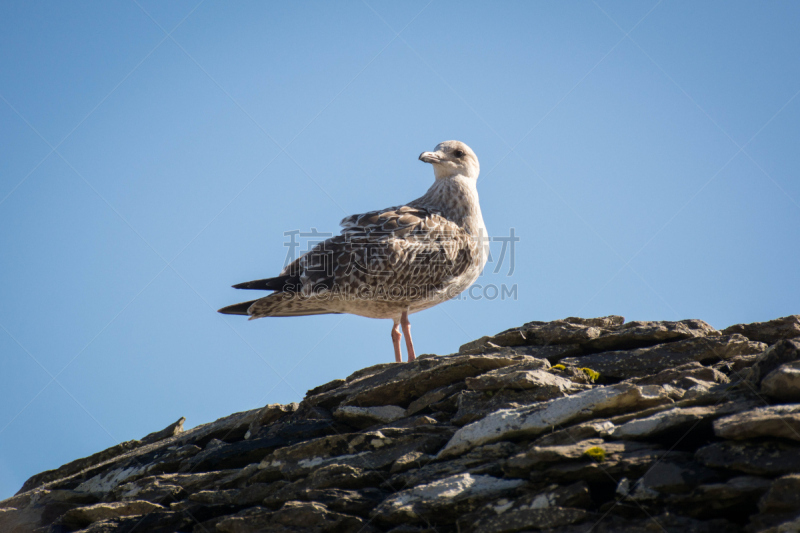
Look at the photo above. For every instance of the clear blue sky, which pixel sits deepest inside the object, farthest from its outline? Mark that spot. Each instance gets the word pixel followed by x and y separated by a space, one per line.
pixel 152 154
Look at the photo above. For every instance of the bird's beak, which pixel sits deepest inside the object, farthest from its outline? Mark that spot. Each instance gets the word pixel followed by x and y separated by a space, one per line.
pixel 430 157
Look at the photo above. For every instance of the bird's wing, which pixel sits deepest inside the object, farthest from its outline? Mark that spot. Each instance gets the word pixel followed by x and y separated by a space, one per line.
pixel 398 247
pixel 376 219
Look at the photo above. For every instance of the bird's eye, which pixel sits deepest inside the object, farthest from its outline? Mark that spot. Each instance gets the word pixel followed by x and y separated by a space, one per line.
pixel 458 153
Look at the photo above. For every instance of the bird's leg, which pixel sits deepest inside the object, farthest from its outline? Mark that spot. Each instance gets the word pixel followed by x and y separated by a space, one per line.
pixel 407 334
pixel 398 357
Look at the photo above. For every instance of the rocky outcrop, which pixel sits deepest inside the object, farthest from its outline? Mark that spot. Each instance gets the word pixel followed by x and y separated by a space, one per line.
pixel 566 426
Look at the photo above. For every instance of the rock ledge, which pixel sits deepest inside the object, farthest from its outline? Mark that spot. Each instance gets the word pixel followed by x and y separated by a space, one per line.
pixel 566 426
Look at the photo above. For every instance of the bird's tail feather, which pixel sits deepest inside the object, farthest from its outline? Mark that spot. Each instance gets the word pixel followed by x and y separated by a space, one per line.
pixel 268 284
pixel 237 309
pixel 279 304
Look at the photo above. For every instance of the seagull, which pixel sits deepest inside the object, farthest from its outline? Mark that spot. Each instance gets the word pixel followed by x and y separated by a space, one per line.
pixel 392 262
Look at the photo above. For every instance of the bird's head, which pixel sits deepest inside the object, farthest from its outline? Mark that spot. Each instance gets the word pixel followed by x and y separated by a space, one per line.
pixel 452 158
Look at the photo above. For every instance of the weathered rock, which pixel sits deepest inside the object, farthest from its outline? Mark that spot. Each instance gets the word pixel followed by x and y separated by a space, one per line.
pixel 34 510
pixel 651 523
pixel 355 502
pixel 526 519
pixel 441 500
pixel 474 405
pixel 236 455
pixel 163 486
pixel 83 516
pixel 78 465
pixel 671 376
pixel 313 516
pixel 576 433
pixel 641 334
pixel 363 417
pixel 537 452
pixel 770 332
pixel 434 396
pixel 671 477
pixel 767 458
pixel 556 332
pixel 775 421
pixel 247 521
pixel 293 516
pixel 678 420
pixel 573 462
pixel 269 414
pixel 369 450
pixel 735 367
pixel 783 496
pixel 570 331
pixel 553 353
pixel 783 383
pixel 152 522
pixel 228 429
pixel 529 374
pixel 735 498
pixel 401 384
pixel 788 524
pixel 780 353
pixel 534 420
pixel 646 361
pixel 484 460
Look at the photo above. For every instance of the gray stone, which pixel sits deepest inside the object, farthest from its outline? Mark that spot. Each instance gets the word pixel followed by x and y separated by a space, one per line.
pixel 173 485
pixel 770 332
pixel 313 516
pixel 766 458
pixel 621 459
pixel 783 496
pixel 792 525
pixel 78 465
pixel 646 361
pixel 401 384
pixel 559 332
pixel 474 405
pixel 576 433
pixel 640 334
pixel 668 477
pixel 269 414
pixel 667 522
pixel 363 417
pixel 446 498
pixel 484 460
pixel 780 353
pixel 671 376
pixel 526 519
pixel 675 420
pixel 248 521
pixel 355 502
pixel 528 374
pixel 215 497
pixel 83 516
pixel 783 383
pixel 571 462
pixel 370 450
pixel 775 421
pixel 736 367
pixel 434 396
pixel 410 460
pixel 538 419
pixel 721 499
pixel 154 522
